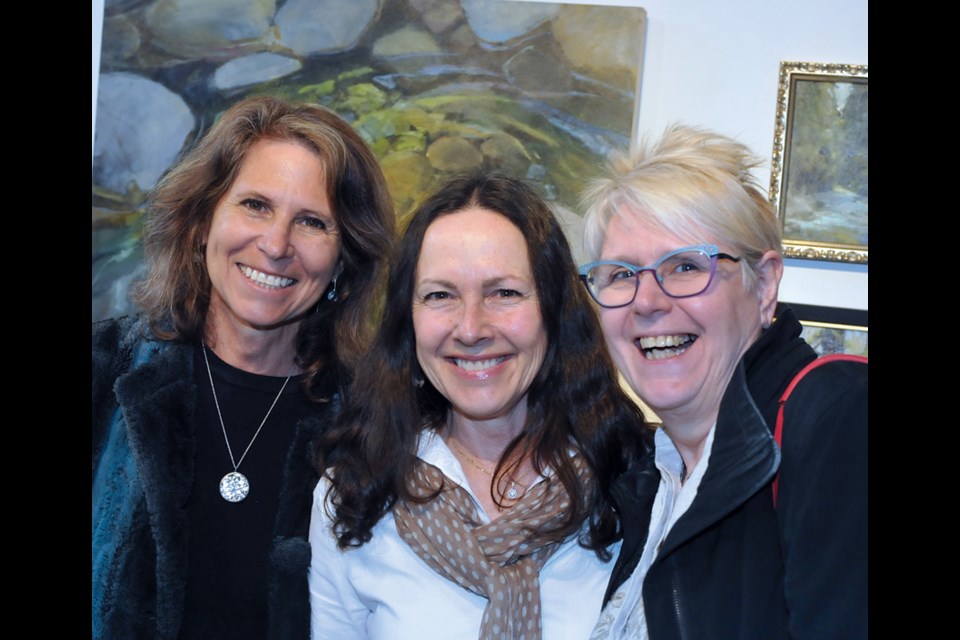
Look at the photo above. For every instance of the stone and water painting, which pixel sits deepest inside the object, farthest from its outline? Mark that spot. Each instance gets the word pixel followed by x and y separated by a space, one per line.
pixel 538 90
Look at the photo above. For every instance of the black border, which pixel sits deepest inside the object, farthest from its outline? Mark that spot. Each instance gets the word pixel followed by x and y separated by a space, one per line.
pixel 855 318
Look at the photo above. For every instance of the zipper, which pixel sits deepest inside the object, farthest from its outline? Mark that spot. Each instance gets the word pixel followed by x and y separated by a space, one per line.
pixel 675 591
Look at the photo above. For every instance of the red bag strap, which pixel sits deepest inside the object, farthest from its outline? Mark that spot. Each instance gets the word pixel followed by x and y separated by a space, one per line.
pixel 778 431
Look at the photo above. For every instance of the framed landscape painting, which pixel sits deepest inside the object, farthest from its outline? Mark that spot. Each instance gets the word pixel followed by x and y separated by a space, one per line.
pixel 818 179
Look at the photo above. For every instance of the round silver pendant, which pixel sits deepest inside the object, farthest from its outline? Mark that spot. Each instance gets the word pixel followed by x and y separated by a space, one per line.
pixel 513 493
pixel 234 487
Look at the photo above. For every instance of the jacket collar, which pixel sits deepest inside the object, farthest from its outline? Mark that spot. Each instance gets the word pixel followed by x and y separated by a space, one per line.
pixel 633 493
pixel 773 361
pixel 744 455
pixel 744 458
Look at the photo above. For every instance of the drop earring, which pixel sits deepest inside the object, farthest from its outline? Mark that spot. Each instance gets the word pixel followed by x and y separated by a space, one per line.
pixel 332 294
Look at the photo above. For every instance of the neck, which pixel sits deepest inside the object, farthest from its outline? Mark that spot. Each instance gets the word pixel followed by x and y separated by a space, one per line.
pixel 479 446
pixel 263 352
pixel 689 439
pixel 484 440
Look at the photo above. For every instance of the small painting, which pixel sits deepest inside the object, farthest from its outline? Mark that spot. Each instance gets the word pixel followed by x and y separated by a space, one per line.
pixel 819 169
pixel 833 330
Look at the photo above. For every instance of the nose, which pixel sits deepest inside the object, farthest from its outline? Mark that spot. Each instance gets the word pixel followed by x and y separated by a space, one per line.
pixel 650 297
pixel 473 325
pixel 275 241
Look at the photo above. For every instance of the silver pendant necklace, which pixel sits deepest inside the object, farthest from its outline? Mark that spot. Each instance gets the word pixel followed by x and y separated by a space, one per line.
pixel 234 486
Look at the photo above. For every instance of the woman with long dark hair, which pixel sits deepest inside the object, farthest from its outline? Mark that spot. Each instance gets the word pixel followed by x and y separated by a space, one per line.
pixel 467 484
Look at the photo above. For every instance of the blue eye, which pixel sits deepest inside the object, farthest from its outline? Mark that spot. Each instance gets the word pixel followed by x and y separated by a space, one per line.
pixel 622 273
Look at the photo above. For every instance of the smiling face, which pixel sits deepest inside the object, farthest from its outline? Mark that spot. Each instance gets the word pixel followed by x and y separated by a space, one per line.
pixel 273 244
pixel 679 354
pixel 480 337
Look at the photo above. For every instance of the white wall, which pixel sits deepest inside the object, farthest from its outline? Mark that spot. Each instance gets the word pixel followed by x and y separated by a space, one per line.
pixel 716 64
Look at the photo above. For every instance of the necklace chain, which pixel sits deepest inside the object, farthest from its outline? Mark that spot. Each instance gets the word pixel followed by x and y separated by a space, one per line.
pixel 513 493
pixel 473 461
pixel 236 465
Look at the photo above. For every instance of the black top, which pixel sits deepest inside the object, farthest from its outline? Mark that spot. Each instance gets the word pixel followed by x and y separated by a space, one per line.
pixel 226 591
pixel 144 439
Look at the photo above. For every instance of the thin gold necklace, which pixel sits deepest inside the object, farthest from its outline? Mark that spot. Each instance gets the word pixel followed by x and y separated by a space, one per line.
pixel 513 492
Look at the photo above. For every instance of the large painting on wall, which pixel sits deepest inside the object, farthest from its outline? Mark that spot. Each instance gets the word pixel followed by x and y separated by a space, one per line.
pixel 538 90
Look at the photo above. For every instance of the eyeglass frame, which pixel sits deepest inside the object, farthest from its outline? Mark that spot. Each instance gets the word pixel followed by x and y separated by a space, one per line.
pixel 712 251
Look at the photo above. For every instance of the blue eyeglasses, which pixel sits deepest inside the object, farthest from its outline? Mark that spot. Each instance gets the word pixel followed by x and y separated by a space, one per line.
pixel 683 273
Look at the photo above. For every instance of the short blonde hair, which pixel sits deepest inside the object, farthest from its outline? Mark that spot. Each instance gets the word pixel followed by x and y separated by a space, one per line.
pixel 690 183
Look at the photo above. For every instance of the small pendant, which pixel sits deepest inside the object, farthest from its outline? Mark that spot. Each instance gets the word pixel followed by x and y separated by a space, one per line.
pixel 513 493
pixel 234 487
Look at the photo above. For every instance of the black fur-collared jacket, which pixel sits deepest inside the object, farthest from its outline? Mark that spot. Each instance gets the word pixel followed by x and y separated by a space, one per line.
pixel 142 477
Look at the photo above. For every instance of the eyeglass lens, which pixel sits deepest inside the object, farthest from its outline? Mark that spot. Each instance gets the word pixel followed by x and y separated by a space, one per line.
pixel 682 274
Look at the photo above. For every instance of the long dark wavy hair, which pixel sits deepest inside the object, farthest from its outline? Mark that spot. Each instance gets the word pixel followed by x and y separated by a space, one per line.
pixel 174 296
pixel 575 399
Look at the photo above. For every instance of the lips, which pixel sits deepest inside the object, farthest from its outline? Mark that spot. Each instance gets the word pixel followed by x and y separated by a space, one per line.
pixel 662 347
pixel 264 279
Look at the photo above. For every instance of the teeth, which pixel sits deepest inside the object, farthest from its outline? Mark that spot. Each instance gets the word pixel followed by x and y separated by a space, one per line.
pixel 664 341
pixel 663 347
pixel 264 279
pixel 477 365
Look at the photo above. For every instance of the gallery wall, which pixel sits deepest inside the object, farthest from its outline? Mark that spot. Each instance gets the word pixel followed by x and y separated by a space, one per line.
pixel 716 65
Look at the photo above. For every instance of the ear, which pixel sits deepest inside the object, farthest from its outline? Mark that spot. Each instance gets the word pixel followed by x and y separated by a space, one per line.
pixel 769 273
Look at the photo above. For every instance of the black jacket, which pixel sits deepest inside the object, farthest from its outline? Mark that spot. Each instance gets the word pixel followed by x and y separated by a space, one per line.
pixel 143 475
pixel 734 568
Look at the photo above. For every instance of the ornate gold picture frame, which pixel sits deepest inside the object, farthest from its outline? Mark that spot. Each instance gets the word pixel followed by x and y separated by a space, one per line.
pixel 818 175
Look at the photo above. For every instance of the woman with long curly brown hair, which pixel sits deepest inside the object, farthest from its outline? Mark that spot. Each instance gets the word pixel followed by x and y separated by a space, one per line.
pixel 265 247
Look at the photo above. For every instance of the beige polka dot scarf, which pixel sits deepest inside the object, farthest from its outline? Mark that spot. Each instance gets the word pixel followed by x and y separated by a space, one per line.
pixel 500 560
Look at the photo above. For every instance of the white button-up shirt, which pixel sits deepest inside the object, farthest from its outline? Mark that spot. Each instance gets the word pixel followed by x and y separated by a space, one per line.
pixel 385 590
